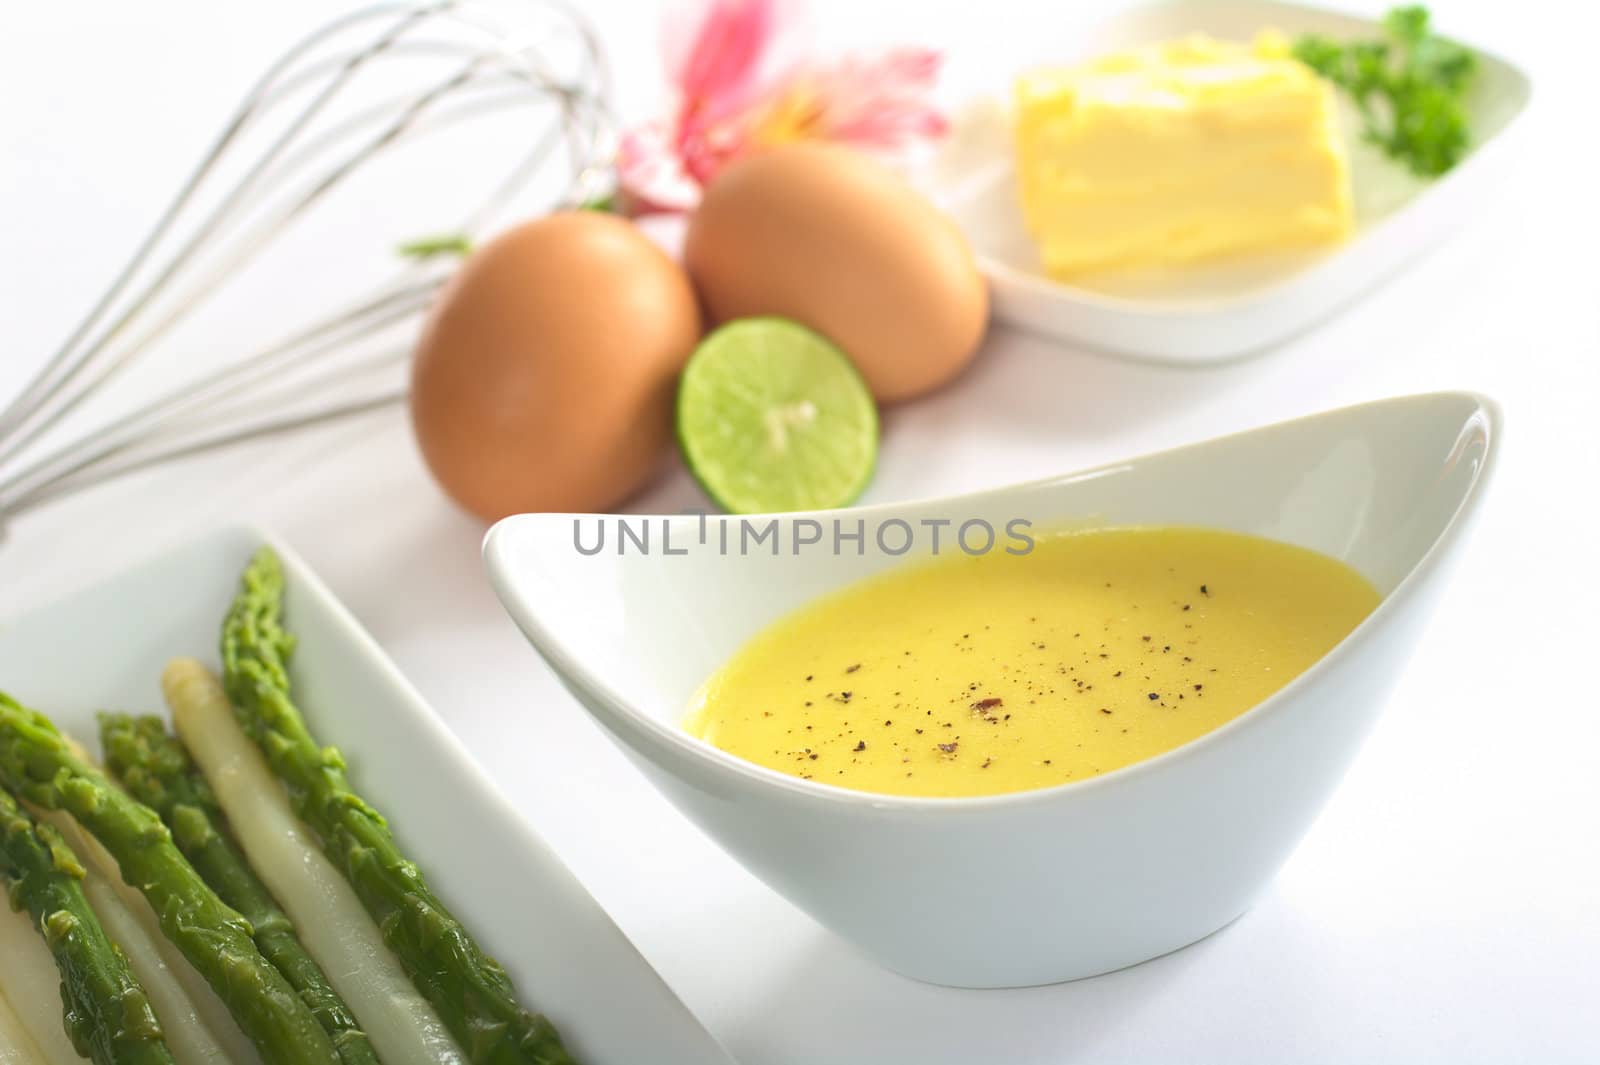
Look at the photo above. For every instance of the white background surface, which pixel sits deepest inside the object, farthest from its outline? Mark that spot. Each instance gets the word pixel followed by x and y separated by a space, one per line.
pixel 1445 908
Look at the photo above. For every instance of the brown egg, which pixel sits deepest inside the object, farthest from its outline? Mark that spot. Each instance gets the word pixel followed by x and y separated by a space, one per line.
pixel 840 243
pixel 544 377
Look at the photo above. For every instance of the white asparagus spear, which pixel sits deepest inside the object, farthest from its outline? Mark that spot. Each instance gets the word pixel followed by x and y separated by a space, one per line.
pixel 333 924
pixel 31 983
pixel 187 995
pixel 190 1041
pixel 190 1012
pixel 16 1045
pixel 223 1033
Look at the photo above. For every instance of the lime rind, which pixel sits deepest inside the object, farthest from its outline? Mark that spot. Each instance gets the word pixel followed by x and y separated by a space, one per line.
pixel 773 417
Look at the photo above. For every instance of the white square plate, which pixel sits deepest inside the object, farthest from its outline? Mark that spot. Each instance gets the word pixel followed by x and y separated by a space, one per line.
pixel 1213 312
pixel 103 648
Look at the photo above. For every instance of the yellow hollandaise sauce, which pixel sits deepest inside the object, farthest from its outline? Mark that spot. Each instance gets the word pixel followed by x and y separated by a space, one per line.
pixel 967 675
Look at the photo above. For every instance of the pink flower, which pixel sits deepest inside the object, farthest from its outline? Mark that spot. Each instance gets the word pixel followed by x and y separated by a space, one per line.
pixel 741 86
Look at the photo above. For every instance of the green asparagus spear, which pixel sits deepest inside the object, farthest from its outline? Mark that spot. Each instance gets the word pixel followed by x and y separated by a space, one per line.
pixel 106 1013
pixel 37 764
pixel 471 992
pixel 156 769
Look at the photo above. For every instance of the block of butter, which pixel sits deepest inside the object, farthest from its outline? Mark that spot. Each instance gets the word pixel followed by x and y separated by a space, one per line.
pixel 1179 152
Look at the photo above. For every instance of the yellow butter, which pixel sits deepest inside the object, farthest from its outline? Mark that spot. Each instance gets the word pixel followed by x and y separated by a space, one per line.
pixel 997 673
pixel 1179 152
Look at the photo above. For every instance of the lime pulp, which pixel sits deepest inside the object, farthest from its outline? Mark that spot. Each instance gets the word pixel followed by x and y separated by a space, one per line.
pixel 774 417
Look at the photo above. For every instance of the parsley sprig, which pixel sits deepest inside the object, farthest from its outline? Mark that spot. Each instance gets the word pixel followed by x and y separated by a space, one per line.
pixel 1409 87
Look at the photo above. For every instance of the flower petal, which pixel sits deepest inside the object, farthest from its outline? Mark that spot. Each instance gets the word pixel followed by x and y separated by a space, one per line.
pixel 719 54
pixel 879 102
pixel 651 174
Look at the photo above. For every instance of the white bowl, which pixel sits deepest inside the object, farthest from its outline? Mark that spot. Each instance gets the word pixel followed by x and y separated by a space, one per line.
pixel 1046 885
pixel 1210 312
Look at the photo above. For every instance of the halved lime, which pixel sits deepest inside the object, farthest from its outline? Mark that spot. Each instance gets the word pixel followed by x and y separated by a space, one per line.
pixel 773 417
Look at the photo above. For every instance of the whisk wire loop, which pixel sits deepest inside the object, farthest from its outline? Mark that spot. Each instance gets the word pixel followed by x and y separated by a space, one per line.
pixel 193 251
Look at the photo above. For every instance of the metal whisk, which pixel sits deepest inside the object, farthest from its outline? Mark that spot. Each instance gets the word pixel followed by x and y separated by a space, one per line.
pixel 342 97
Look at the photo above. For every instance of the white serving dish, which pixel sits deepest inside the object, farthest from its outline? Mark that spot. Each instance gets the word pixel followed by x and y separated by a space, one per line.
pixel 1212 312
pixel 1059 883
pixel 103 648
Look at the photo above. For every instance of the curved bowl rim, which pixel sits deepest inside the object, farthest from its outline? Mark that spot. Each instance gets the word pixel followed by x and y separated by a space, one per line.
pixel 657 738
